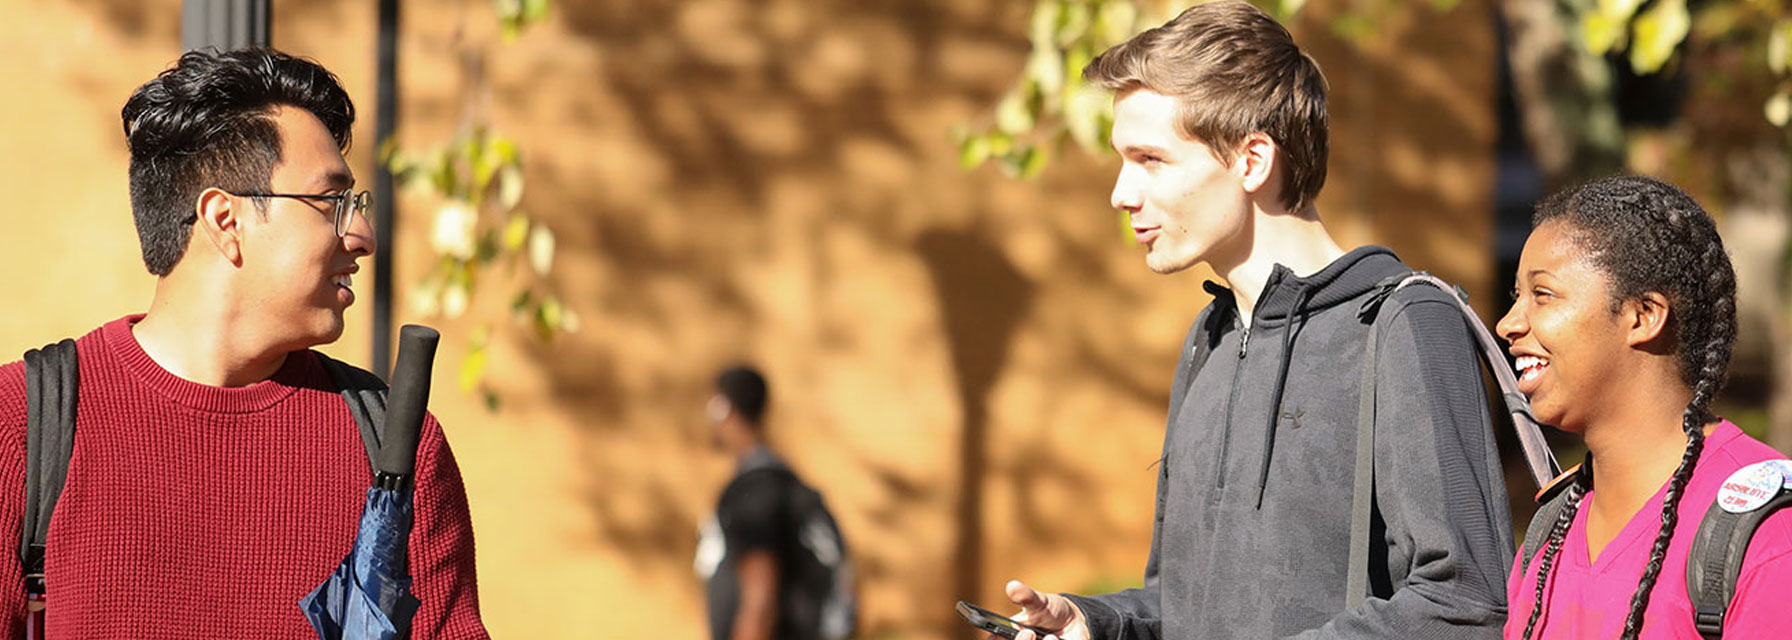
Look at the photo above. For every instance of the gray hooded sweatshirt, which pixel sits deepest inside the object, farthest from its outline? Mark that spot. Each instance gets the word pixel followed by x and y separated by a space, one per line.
pixel 1253 514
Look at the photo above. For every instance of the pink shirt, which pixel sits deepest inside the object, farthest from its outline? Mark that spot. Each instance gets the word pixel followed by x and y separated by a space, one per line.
pixel 1587 599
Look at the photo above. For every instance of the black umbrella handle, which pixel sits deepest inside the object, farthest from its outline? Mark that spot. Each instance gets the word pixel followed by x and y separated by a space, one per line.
pixel 405 404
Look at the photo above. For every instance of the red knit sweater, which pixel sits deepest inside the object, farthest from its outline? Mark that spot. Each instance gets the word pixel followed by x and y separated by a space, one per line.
pixel 194 511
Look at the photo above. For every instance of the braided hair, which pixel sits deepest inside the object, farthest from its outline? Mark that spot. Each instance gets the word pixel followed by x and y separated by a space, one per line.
pixel 1648 236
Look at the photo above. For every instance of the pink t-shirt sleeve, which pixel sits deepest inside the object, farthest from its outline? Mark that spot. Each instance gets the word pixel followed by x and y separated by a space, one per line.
pixel 1759 609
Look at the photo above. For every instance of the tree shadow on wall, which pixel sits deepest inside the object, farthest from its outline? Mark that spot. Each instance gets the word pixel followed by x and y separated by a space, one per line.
pixel 983 299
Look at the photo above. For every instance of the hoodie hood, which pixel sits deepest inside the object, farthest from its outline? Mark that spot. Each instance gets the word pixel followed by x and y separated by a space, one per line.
pixel 1286 295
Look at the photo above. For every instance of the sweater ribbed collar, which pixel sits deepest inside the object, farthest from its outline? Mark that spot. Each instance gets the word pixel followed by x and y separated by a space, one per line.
pixel 121 344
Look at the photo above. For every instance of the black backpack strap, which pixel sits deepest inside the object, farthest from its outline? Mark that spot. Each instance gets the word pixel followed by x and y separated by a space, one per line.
pixel 1362 492
pixel 366 396
pixel 51 381
pixel 1714 563
pixel 1544 520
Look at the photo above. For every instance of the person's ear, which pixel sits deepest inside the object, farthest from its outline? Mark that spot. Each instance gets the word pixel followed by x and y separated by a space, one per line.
pixel 1645 319
pixel 1256 160
pixel 220 222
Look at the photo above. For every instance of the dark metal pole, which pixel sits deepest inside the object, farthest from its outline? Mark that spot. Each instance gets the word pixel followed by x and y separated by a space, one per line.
pixel 225 24
pixel 386 225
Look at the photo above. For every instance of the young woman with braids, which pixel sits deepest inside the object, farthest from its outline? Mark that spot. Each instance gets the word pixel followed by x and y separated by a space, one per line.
pixel 1622 324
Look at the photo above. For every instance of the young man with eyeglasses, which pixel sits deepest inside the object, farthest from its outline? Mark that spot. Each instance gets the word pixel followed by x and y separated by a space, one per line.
pixel 217 475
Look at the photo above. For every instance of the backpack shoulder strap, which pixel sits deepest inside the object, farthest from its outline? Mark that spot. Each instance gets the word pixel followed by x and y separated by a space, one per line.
pixel 1714 564
pixel 366 397
pixel 51 381
pixel 1548 511
pixel 1362 492
pixel 1539 460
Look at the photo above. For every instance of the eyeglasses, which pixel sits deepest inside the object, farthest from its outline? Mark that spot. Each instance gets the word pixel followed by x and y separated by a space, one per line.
pixel 347 203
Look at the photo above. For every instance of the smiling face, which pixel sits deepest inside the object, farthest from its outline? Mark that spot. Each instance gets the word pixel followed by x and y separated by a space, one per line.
pixel 1564 330
pixel 295 271
pixel 1185 205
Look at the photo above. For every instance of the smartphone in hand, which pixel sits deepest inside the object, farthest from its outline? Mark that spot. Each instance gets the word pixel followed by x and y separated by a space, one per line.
pixel 993 622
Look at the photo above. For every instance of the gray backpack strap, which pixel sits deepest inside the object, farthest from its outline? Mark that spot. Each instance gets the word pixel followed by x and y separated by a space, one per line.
pixel 1541 522
pixel 1714 563
pixel 1539 460
pixel 366 396
pixel 1362 493
pixel 51 381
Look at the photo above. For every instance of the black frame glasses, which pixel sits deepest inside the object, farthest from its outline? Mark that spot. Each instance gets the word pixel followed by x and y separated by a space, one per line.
pixel 347 204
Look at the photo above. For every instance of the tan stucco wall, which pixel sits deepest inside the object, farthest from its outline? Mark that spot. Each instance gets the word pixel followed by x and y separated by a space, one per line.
pixel 768 180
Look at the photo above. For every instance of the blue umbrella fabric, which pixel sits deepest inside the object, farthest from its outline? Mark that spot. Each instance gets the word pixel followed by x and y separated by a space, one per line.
pixel 369 595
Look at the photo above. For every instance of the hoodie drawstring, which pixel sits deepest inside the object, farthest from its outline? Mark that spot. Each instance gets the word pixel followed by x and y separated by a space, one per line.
pixel 1275 415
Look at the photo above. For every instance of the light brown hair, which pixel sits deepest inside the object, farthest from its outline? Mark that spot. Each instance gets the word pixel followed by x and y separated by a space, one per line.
pixel 1234 71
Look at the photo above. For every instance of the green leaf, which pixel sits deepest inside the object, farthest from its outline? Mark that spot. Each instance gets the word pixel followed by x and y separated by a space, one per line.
pixel 520 302
pixel 453 232
pixel 1033 162
pixel 1779 109
pixel 1084 117
pixel 447 180
pixel 1600 32
pixel 973 152
pixel 1779 47
pixel 455 297
pixel 488 247
pixel 541 249
pixel 1044 24
pixel 548 318
pixel 1075 58
pixel 1658 32
pixel 999 143
pixel 1116 21
pixel 472 367
pixel 516 231
pixel 1045 68
pixel 510 186
pixel 502 148
pixel 1015 164
pixel 1075 24
pixel 1013 114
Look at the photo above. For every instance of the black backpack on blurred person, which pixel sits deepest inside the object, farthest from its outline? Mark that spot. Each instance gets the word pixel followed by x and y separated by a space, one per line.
pixel 822 592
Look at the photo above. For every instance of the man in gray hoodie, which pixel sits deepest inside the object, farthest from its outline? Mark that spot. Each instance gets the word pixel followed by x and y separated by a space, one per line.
pixel 1220 121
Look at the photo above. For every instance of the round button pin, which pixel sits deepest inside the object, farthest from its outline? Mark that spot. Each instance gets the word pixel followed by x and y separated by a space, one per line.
pixel 1785 467
pixel 1750 487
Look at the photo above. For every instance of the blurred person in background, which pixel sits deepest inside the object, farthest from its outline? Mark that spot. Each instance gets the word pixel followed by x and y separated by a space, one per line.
pixel 1628 274
pixel 773 560
pixel 217 475
pixel 1220 121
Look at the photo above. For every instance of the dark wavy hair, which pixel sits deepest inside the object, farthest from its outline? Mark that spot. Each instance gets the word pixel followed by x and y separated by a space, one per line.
pixel 208 122
pixel 1646 236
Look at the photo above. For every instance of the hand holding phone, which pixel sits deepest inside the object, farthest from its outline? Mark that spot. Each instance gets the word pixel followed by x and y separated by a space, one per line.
pixel 1048 612
pixel 993 622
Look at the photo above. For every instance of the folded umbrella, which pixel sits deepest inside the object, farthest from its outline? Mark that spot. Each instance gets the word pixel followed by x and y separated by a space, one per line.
pixel 368 597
